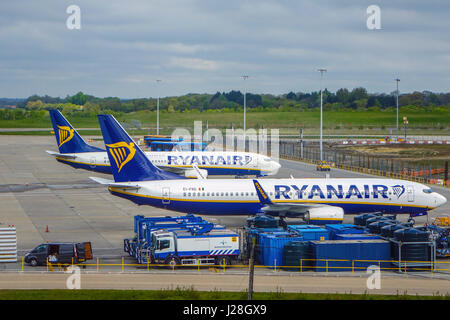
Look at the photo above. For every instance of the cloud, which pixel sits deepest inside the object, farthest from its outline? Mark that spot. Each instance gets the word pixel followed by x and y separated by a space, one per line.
pixel 205 46
pixel 194 63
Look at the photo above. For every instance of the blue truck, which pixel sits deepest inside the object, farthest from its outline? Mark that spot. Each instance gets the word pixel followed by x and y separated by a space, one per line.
pixel 185 240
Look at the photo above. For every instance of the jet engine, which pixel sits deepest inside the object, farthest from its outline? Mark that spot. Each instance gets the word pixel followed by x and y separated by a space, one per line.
pixel 194 174
pixel 324 215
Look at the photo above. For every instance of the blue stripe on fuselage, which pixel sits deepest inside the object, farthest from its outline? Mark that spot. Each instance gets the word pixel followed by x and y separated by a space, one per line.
pixel 211 171
pixel 86 166
pixel 252 207
pixel 230 171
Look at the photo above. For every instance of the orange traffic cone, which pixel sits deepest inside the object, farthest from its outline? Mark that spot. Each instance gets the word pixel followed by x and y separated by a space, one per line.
pixel 46 229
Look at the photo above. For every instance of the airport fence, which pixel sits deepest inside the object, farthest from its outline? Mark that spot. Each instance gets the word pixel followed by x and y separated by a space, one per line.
pixel 390 168
pixel 304 265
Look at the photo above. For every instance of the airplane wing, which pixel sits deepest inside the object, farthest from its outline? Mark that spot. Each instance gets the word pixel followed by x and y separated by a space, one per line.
pixel 177 170
pixel 61 155
pixel 199 173
pixel 269 206
pixel 111 183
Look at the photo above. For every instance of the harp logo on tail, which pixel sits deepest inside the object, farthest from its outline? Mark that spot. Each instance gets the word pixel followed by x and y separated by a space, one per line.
pixel 398 190
pixel 122 153
pixel 65 134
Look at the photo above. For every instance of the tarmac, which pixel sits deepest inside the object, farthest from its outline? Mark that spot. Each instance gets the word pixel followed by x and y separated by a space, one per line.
pixel 37 192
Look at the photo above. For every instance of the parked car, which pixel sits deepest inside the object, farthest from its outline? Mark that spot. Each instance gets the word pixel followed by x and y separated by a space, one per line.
pixel 59 252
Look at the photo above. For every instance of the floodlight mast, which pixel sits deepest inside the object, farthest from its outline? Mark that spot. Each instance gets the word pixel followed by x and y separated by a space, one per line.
pixel 397 80
pixel 321 112
pixel 157 109
pixel 245 107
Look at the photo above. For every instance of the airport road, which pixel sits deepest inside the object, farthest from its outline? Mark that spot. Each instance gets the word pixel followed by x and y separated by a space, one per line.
pixel 229 282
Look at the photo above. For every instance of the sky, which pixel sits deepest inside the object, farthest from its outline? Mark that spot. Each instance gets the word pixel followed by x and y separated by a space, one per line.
pixel 205 46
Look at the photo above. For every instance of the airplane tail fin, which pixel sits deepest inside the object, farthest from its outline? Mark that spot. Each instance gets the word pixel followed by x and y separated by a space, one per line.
pixel 67 138
pixel 128 161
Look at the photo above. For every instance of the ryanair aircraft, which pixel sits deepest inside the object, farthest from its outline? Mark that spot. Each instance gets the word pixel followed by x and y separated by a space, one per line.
pixel 316 200
pixel 74 151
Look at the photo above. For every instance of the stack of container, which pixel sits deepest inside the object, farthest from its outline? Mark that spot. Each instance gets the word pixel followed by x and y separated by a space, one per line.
pixel 360 220
pixel 297 254
pixel 310 232
pixel 341 229
pixel 412 248
pixel 375 227
pixel 349 255
pixel 273 248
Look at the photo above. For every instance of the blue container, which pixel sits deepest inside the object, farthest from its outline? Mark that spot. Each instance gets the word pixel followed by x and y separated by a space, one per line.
pixel 265 242
pixel 310 232
pixel 357 236
pixel 372 251
pixel 302 226
pixel 274 248
pixel 336 229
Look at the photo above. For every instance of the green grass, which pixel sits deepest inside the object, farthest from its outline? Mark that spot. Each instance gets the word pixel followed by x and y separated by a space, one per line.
pixel 358 120
pixel 191 294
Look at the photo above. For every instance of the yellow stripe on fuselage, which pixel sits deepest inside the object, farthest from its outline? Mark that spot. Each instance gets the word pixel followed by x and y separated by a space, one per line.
pixel 88 164
pixel 257 201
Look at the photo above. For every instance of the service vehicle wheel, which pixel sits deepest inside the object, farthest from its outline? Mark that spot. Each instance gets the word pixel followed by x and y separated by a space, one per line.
pixel 33 262
pixel 224 260
pixel 172 262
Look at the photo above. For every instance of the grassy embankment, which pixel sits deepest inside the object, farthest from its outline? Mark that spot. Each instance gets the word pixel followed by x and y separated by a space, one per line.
pixel 337 122
pixel 191 294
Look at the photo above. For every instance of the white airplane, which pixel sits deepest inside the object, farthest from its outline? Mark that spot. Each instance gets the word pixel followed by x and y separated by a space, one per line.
pixel 316 200
pixel 74 151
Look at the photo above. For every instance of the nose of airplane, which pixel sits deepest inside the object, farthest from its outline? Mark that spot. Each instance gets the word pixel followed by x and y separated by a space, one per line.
pixel 275 166
pixel 440 200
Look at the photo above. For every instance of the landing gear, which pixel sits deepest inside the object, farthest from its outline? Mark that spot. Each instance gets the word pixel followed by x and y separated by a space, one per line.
pixel 282 223
pixel 412 215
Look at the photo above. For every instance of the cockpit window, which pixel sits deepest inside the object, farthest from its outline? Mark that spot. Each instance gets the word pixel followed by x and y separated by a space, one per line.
pixel 427 190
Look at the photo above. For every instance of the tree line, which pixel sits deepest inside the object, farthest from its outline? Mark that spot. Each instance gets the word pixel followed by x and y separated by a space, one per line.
pixel 343 99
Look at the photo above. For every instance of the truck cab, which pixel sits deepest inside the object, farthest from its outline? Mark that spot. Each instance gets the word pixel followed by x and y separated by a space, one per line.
pixel 163 245
pixel 60 252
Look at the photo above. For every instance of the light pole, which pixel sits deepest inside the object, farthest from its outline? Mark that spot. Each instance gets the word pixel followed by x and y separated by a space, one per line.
pixel 397 106
pixel 157 108
pixel 321 111
pixel 405 122
pixel 245 105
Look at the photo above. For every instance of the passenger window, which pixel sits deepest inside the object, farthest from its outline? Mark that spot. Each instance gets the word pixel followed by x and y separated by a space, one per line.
pixel 41 248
